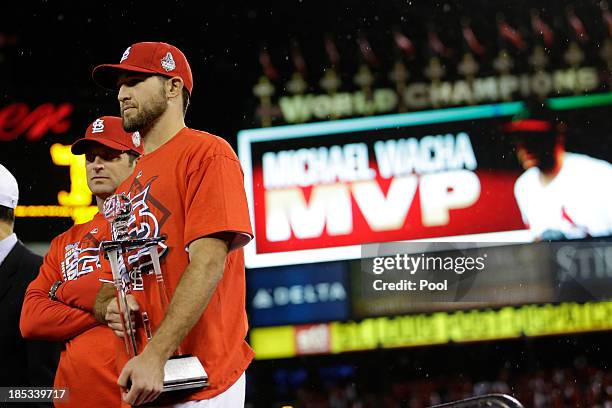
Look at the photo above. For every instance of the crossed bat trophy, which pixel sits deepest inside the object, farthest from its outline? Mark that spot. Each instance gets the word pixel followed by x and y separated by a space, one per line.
pixel 182 371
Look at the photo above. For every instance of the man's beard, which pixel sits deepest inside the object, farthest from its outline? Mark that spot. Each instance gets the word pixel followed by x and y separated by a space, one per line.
pixel 542 146
pixel 145 117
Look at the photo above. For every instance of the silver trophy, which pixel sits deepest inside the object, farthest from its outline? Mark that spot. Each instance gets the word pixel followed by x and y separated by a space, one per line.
pixel 182 371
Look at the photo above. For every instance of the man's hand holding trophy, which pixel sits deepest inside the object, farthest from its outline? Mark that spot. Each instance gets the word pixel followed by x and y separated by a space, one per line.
pixel 127 317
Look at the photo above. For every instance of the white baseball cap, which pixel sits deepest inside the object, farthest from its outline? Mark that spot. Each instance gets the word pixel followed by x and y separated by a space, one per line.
pixel 9 191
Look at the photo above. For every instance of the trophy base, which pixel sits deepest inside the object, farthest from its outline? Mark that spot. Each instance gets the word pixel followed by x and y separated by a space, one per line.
pixel 184 372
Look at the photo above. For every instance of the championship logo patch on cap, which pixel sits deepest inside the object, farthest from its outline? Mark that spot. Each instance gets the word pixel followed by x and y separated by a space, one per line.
pixel 136 139
pixel 97 126
pixel 125 55
pixel 168 63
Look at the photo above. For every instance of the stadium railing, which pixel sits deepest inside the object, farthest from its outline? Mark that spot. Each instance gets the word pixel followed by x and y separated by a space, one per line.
pixel 490 400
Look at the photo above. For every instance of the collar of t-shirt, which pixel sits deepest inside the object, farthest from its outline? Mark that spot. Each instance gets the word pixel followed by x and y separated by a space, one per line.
pixel 6 246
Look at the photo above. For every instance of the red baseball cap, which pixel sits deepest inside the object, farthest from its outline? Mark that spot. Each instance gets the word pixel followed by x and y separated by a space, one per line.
pixel 108 131
pixel 528 125
pixel 149 58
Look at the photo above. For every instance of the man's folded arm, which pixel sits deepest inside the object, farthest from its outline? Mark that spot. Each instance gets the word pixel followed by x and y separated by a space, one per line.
pixel 43 318
pixel 81 293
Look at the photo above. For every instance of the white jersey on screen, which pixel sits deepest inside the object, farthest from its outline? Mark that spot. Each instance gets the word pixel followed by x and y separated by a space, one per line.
pixel 577 203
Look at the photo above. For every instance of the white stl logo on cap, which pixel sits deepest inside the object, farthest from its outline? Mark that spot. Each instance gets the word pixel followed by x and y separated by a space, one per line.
pixel 97 126
pixel 136 139
pixel 125 55
pixel 167 62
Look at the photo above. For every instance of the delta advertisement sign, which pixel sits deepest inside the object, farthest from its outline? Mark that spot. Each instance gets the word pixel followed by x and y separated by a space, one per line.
pixel 317 192
pixel 298 294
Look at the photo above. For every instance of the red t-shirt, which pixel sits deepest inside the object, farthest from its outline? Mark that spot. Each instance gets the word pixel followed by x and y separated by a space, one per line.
pixel 87 366
pixel 188 188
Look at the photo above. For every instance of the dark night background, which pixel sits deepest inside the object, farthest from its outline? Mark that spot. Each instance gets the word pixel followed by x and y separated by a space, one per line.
pixel 47 52
pixel 48 49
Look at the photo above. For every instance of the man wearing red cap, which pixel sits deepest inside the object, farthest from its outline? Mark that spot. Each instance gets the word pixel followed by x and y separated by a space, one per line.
pixel 189 188
pixel 69 277
pixel 559 194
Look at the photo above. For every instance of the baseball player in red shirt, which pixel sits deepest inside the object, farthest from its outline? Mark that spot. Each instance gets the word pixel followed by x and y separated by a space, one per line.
pixel 69 277
pixel 188 187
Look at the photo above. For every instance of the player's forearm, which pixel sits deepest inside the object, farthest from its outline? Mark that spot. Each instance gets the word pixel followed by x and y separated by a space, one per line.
pixel 43 318
pixel 192 294
pixel 82 292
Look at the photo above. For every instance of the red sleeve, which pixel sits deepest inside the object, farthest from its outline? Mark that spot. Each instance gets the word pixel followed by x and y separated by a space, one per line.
pixel 81 293
pixel 215 201
pixel 43 318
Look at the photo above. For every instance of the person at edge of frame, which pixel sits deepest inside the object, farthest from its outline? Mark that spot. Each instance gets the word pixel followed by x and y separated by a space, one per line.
pixel 26 363
pixel 559 193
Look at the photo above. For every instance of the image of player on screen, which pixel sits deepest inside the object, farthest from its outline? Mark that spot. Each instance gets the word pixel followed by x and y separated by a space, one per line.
pixel 560 194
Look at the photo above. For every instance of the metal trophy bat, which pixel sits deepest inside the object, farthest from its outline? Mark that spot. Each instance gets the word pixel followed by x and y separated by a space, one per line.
pixel 181 371
pixel 117 211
